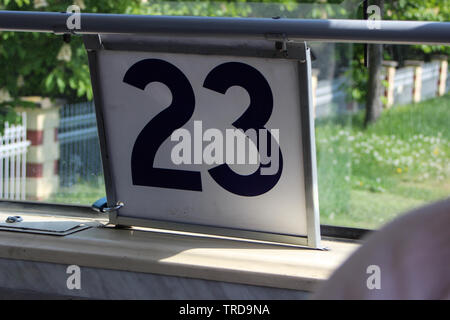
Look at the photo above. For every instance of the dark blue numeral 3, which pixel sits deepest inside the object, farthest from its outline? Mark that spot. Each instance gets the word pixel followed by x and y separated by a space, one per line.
pixel 220 79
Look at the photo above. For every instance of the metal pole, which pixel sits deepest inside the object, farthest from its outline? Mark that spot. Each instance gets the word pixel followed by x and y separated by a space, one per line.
pixel 357 31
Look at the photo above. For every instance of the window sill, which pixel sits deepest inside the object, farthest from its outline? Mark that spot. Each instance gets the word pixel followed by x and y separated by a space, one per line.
pixel 182 255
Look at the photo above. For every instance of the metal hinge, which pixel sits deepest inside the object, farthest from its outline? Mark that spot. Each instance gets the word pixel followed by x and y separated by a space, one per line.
pixel 101 205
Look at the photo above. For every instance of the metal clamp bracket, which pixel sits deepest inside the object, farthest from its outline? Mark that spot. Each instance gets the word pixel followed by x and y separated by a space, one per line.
pixel 14 219
pixel 281 40
pixel 101 205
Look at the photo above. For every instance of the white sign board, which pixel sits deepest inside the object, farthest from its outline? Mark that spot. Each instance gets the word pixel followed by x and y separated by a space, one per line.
pixel 211 140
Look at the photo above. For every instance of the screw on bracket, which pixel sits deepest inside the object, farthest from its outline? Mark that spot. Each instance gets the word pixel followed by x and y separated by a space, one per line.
pixel 13 219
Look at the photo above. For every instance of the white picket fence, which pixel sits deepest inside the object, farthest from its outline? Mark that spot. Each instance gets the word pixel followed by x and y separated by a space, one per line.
pixel 13 153
pixel 331 96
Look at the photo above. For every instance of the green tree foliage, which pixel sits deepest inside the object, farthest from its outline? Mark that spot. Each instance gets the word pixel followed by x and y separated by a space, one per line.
pixel 38 64
pixel 41 64
pixel 429 10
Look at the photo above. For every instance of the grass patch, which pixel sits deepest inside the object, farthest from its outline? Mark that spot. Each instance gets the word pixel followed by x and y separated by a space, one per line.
pixel 368 176
pixel 82 193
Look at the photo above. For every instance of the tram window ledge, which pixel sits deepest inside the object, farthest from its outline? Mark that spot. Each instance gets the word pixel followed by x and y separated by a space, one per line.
pixel 173 253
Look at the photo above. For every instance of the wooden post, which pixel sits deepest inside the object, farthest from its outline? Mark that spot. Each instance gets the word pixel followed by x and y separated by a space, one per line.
pixel 417 82
pixel 43 153
pixel 390 67
pixel 443 67
pixel 314 82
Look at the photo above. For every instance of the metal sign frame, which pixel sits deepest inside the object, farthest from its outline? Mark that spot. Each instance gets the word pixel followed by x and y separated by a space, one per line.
pixel 252 48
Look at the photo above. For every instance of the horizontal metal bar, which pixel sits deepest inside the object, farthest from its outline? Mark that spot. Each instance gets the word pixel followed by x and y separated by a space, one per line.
pixel 358 31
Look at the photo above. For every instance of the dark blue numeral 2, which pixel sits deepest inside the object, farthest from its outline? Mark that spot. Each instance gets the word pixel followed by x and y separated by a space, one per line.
pixel 160 127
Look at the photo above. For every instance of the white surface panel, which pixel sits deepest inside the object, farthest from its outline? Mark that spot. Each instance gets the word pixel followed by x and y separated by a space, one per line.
pixel 128 109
